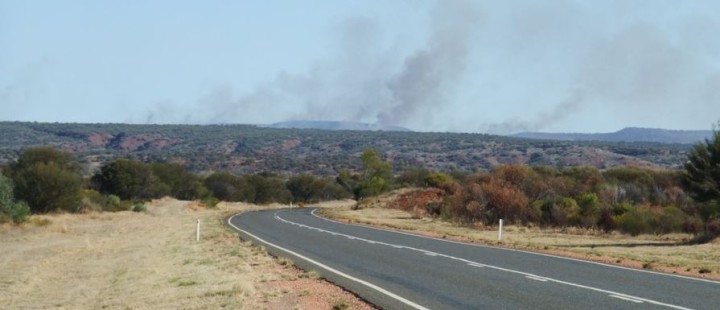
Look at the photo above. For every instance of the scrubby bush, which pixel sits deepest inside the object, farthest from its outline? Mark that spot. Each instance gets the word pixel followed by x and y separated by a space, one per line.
pixel 440 180
pixel 651 220
pixel 632 200
pixel 307 188
pixel 227 187
pixel 415 177
pixel 670 219
pixel 635 221
pixel 561 211
pixel 47 180
pixel 95 201
pixel 9 209
pixel 130 180
pixel 269 188
pixel 210 202
pixel 376 177
pixel 16 212
pixel 139 207
pixel 589 205
pixel 180 182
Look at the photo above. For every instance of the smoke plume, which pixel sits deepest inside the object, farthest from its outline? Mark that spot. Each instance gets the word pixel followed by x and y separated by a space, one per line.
pixel 436 67
pixel 367 80
pixel 519 66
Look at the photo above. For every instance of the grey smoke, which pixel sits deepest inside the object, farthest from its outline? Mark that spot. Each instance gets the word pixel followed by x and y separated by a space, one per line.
pixel 638 69
pixel 434 68
pixel 556 114
pixel 367 80
pixel 555 63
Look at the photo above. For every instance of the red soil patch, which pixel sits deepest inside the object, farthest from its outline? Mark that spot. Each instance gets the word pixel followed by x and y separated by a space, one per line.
pixel 417 201
pixel 99 139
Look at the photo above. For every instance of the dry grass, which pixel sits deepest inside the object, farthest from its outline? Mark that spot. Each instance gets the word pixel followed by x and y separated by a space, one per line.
pixel 667 253
pixel 150 260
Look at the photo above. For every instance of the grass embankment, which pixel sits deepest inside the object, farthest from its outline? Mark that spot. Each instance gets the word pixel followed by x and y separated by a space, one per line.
pixel 667 253
pixel 150 260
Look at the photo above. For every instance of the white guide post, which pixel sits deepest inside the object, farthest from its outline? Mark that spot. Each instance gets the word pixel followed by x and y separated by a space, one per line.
pixel 197 231
pixel 500 231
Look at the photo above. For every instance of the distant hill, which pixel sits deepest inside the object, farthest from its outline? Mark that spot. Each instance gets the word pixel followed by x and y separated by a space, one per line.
pixel 631 134
pixel 336 125
pixel 251 149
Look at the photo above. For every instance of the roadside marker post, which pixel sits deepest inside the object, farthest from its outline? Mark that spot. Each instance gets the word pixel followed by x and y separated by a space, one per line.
pixel 197 231
pixel 500 231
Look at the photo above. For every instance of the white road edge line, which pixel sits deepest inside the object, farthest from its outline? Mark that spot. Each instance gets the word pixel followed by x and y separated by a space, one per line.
pixel 626 299
pixel 335 271
pixel 530 275
pixel 516 250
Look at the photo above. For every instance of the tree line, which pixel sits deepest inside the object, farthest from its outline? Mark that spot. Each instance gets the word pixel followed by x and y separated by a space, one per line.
pixel 45 180
pixel 630 199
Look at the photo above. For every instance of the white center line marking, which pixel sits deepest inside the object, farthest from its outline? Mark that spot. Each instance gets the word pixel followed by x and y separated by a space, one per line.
pixel 612 293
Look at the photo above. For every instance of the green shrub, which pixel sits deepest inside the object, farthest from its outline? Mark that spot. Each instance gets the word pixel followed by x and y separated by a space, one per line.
pixel 670 219
pixel 95 201
pixel 47 180
pixel 634 222
pixel 621 208
pixel 139 207
pixel 130 180
pixel 16 213
pixel 114 204
pixel 9 209
pixel 92 200
pixel 440 180
pixel 589 204
pixel 210 202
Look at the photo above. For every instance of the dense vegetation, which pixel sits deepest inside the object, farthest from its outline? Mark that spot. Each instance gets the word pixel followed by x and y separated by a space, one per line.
pixel 45 180
pixel 630 199
pixel 633 200
pixel 627 198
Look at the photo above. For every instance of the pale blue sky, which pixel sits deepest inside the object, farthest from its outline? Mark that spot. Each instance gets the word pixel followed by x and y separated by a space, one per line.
pixel 467 66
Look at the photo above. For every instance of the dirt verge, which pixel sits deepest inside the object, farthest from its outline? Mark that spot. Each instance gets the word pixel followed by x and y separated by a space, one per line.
pixel 128 260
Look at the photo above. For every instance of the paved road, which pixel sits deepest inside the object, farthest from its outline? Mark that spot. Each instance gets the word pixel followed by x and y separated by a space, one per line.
pixel 402 271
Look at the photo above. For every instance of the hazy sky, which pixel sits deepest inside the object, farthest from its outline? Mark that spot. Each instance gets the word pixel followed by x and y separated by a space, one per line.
pixel 469 66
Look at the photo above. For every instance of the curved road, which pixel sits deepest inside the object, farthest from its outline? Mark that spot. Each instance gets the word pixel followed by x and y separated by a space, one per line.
pixel 396 270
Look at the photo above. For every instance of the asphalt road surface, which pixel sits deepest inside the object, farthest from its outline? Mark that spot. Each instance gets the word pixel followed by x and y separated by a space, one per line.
pixel 396 270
